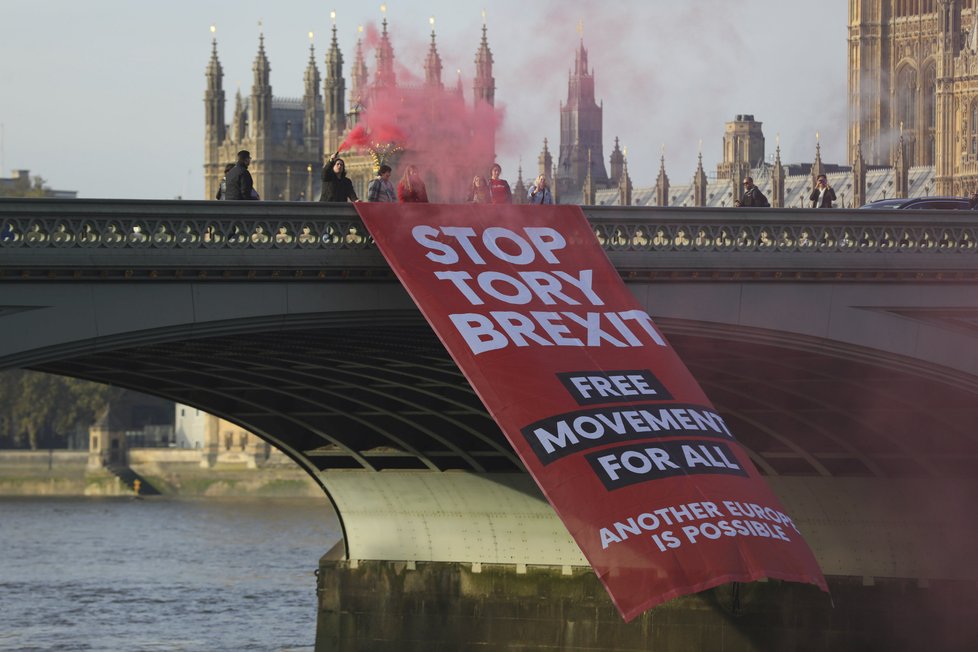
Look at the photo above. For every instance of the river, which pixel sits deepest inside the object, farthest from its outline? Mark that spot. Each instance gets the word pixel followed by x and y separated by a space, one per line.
pixel 161 574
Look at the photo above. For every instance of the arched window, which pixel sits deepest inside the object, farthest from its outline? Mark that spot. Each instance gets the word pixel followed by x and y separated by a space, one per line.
pixel 928 92
pixel 906 98
pixel 973 131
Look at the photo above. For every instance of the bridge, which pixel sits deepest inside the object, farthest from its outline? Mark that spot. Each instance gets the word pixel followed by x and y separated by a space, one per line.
pixel 840 347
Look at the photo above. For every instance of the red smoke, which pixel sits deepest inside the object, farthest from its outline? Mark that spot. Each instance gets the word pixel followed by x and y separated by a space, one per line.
pixel 378 134
pixel 446 137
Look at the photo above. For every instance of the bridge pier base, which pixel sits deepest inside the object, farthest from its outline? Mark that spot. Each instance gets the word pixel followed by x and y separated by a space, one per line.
pixel 379 605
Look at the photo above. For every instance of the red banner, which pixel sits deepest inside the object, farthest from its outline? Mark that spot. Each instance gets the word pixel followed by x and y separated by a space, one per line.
pixel 643 471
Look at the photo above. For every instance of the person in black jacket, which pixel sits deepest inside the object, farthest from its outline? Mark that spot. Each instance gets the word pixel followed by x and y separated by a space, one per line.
pixel 336 185
pixel 823 195
pixel 239 182
pixel 752 197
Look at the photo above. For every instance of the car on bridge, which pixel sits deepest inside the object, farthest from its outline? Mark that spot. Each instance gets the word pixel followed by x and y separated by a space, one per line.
pixel 921 203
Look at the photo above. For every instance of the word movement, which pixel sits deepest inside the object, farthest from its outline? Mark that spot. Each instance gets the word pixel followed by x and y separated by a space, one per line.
pixel 498 329
pixel 701 521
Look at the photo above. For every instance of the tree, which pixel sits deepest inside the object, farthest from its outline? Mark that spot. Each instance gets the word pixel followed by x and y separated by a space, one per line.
pixel 39 409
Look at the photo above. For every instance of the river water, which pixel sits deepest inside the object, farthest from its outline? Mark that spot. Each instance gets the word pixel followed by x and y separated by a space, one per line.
pixel 123 574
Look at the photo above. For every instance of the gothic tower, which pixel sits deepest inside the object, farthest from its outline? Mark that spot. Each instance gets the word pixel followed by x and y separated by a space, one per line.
pixel 581 153
pixel 484 85
pixel 312 109
pixel 545 162
pixel 334 96
pixel 260 117
pixel 743 148
pixel 617 161
pixel 214 127
pixel 432 65
pixel 358 79
pixel 384 77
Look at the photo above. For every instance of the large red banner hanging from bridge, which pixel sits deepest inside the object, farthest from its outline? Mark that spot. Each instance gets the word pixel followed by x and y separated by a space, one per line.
pixel 643 471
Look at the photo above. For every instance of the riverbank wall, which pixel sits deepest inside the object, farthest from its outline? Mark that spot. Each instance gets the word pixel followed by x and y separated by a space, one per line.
pixel 168 472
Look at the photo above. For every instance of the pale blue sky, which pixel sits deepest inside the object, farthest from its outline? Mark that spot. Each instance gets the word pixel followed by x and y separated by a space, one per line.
pixel 106 96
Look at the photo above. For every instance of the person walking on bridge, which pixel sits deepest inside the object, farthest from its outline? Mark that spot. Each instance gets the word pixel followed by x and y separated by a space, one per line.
pixel 752 197
pixel 239 184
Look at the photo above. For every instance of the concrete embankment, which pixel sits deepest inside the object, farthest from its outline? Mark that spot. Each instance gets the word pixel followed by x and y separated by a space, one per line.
pixel 172 472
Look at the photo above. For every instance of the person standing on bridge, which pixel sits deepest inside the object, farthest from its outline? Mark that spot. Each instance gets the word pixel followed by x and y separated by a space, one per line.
pixel 752 197
pixel 239 184
pixel 411 188
pixel 381 189
pixel 337 187
pixel 823 195
pixel 499 191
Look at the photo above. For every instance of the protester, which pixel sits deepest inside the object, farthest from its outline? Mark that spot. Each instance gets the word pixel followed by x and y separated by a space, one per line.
pixel 973 201
pixel 411 187
pixel 478 191
pixel 539 192
pixel 381 189
pixel 499 191
pixel 337 187
pixel 822 196
pixel 239 184
pixel 752 197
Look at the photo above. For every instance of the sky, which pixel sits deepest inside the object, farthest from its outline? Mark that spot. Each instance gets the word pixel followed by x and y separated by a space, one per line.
pixel 105 97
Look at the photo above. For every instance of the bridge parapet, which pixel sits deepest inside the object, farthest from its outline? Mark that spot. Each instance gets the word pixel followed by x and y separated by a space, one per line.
pixel 152 236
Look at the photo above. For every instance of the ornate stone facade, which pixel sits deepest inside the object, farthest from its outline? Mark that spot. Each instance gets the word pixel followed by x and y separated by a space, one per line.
pixel 913 74
pixel 289 137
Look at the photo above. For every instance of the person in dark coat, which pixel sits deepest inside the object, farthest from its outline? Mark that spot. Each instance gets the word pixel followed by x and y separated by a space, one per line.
pixel 823 195
pixel 239 184
pixel 337 187
pixel 752 197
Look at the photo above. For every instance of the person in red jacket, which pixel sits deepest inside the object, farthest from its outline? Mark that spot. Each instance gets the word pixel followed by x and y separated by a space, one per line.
pixel 499 191
pixel 411 188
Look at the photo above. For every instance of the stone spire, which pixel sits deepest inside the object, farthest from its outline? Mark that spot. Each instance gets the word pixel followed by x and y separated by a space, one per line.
pixel 624 184
pixel 519 190
pixel 214 128
pixel 777 176
pixel 432 65
pixel 260 116
pixel 239 128
pixel 662 184
pixel 334 95
pixel 458 83
pixel 817 167
pixel 312 107
pixel 214 125
pixel 699 182
pixel 580 129
pixel 617 162
pixel 901 169
pixel 545 161
pixel 385 60
pixel 484 85
pixel 588 190
pixel 859 177
pixel 358 76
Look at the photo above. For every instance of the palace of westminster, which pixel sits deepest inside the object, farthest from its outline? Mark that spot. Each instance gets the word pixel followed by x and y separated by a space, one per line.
pixel 913 122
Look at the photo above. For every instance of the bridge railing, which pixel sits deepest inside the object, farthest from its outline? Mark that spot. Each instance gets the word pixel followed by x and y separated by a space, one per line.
pixel 84 234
